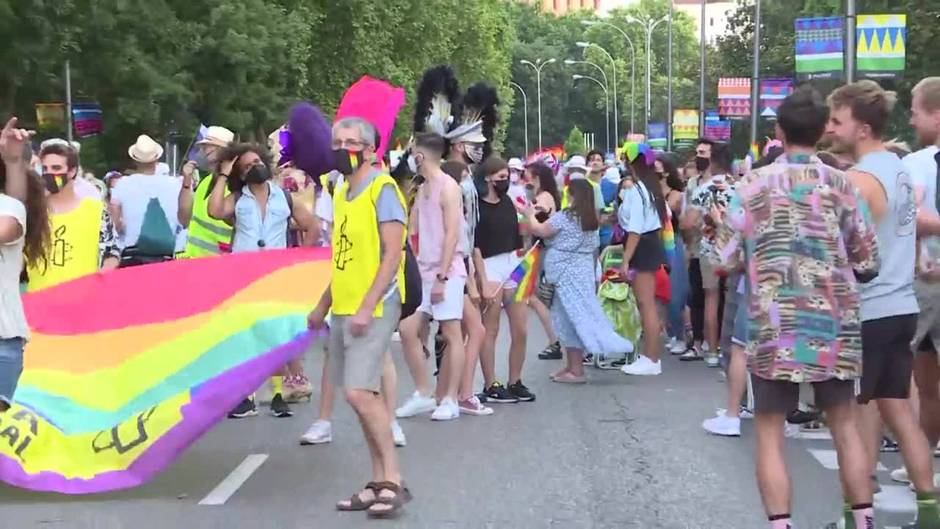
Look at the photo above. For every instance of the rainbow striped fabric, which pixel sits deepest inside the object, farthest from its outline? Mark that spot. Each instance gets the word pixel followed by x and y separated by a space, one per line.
pixel 669 239
pixel 125 369
pixel 526 273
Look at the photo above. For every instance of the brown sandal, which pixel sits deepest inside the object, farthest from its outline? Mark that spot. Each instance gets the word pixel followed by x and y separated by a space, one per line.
pixel 355 501
pixel 395 503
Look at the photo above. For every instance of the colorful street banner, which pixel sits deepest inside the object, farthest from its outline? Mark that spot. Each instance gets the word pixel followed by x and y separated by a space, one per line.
pixel 86 118
pixel 115 389
pixel 881 47
pixel 734 97
pixel 51 116
pixel 717 129
pixel 684 127
pixel 819 48
pixel 657 135
pixel 772 94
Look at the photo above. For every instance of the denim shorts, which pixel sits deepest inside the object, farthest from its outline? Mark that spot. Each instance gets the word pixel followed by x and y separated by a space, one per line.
pixel 741 322
pixel 11 366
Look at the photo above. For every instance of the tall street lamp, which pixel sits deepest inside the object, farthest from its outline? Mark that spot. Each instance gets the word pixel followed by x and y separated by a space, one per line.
pixel 632 70
pixel 538 65
pixel 649 25
pixel 585 46
pixel 525 113
pixel 606 101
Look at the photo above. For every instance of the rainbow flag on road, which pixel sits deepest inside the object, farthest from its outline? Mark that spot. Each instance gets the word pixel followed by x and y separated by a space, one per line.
pixel 526 273
pixel 125 369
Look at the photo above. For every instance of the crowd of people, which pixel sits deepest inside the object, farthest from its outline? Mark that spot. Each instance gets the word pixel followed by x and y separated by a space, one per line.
pixel 817 264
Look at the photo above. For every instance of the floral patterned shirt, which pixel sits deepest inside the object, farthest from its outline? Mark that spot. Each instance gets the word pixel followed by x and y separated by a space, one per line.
pixel 805 238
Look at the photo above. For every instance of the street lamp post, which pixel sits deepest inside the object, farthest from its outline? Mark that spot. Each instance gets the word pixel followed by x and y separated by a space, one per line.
pixel 613 64
pixel 649 25
pixel 538 65
pixel 606 102
pixel 632 71
pixel 525 113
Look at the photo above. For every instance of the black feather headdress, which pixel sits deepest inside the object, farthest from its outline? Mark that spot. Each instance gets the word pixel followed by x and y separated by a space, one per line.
pixel 478 117
pixel 438 93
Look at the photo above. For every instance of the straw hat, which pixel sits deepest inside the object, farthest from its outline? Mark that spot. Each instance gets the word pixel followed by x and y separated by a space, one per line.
pixel 218 136
pixel 145 150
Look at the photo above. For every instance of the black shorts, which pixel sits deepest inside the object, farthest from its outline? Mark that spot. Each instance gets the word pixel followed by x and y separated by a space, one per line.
pixel 887 359
pixel 782 396
pixel 649 255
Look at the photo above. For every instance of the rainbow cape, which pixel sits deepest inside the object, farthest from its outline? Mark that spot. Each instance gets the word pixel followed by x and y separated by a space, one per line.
pixel 125 369
pixel 526 273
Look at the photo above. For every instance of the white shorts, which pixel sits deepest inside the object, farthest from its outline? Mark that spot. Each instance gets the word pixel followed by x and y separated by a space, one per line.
pixel 452 307
pixel 498 268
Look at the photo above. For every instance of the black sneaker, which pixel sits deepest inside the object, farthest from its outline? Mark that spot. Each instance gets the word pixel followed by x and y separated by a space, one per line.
pixel 498 393
pixel 803 417
pixel 588 359
pixel 521 392
pixel 692 354
pixel 245 409
pixel 888 445
pixel 279 408
pixel 552 352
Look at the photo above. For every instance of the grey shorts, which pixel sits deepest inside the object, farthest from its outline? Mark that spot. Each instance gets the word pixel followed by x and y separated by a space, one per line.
pixel 357 362
pixel 928 321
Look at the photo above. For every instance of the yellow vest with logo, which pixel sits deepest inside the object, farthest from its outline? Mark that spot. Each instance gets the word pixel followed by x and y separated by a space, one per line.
pixel 357 248
pixel 207 236
pixel 564 193
pixel 74 246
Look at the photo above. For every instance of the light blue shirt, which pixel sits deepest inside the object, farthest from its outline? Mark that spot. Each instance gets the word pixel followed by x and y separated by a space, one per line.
pixel 252 233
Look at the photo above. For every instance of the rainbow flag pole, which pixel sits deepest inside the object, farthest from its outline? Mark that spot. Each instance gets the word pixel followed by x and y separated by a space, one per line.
pixel 525 274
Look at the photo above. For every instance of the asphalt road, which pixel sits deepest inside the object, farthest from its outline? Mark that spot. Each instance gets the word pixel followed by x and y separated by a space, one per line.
pixel 619 453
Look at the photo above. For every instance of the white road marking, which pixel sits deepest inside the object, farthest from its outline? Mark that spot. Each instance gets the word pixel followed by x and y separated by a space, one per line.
pixel 830 460
pixel 233 481
pixel 822 435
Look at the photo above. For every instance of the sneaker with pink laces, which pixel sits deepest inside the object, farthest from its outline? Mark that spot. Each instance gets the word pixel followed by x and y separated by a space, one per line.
pixel 473 406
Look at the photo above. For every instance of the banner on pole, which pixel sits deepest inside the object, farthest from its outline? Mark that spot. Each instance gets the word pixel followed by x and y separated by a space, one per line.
pixel 50 116
pixel 820 48
pixel 734 97
pixel 657 135
pixel 684 127
pixel 86 118
pixel 717 129
pixel 772 94
pixel 881 47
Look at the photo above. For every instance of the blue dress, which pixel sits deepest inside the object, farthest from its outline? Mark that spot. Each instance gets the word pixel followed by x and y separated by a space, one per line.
pixel 576 312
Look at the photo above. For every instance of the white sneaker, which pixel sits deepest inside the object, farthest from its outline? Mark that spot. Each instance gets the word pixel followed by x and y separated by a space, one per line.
pixel 712 360
pixel 900 475
pixel 398 435
pixel 416 405
pixel 677 347
pixel 448 410
pixel 723 425
pixel 643 367
pixel 320 432
pixel 743 414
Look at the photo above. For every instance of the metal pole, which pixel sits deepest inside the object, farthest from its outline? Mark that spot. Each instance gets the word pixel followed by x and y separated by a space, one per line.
pixel 701 86
pixel 755 77
pixel 669 80
pixel 850 42
pixel 68 98
pixel 525 113
pixel 649 73
pixel 538 84
pixel 616 115
pixel 606 102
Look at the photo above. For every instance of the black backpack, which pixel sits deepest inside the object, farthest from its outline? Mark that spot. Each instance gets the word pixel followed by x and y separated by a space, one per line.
pixel 413 289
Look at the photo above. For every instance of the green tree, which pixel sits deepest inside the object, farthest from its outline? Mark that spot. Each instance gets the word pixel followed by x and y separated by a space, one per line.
pixel 575 143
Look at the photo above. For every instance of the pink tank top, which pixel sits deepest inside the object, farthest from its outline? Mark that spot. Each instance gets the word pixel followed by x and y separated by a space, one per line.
pixel 430 228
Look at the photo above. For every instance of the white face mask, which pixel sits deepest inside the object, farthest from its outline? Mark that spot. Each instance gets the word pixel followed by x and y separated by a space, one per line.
pixel 474 152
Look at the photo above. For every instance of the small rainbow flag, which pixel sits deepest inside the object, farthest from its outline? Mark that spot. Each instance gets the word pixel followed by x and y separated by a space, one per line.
pixel 754 152
pixel 125 369
pixel 525 275
pixel 669 239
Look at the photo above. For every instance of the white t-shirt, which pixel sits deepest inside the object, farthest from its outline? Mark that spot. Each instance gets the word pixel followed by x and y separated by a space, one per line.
pixel 922 167
pixel 12 318
pixel 638 213
pixel 134 192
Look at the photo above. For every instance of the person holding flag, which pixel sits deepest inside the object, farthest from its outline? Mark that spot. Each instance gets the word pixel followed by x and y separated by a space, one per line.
pixel 207 236
pixel 579 320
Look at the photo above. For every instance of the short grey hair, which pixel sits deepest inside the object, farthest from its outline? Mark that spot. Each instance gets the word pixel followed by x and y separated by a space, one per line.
pixel 366 130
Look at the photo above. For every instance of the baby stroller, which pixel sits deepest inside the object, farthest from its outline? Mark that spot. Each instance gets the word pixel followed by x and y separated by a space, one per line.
pixel 618 302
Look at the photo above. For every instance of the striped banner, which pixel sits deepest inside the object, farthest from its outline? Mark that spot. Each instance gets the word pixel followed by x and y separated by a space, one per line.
pixel 717 129
pixel 734 97
pixel 820 47
pixel 684 127
pixel 772 94
pixel 881 46
pixel 86 118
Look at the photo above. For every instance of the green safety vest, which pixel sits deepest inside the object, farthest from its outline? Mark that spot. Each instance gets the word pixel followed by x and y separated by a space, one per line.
pixel 207 236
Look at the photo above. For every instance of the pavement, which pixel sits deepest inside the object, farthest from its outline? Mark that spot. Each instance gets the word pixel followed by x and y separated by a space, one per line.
pixel 619 452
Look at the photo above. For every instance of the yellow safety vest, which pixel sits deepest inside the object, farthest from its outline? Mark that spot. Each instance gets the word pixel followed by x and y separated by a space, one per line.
pixel 357 249
pixel 564 194
pixel 74 250
pixel 207 236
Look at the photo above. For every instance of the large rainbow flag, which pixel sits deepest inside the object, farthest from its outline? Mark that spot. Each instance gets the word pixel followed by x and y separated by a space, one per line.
pixel 125 369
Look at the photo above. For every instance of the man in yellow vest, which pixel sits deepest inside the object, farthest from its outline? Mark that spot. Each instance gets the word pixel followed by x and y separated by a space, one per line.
pixel 83 236
pixel 207 236
pixel 368 241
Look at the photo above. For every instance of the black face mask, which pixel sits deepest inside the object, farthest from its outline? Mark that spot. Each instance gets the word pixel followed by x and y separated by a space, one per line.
pixel 501 187
pixel 702 163
pixel 54 182
pixel 258 174
pixel 347 161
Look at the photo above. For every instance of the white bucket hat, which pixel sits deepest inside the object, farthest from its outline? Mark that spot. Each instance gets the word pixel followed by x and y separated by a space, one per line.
pixel 145 150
